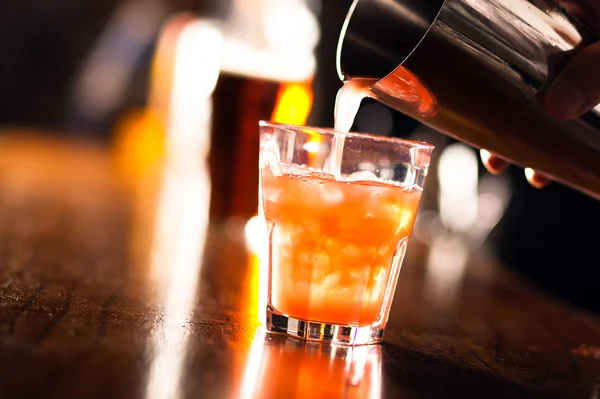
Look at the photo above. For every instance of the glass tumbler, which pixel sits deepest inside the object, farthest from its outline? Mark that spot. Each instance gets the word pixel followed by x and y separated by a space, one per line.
pixel 338 209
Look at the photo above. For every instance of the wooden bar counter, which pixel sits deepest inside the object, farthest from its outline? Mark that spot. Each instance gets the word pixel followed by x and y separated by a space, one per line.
pixel 114 284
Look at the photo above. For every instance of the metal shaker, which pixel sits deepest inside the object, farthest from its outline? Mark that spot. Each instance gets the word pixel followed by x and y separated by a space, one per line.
pixel 473 70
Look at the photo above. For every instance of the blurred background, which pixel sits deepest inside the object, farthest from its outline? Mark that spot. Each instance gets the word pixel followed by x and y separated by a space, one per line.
pixel 181 79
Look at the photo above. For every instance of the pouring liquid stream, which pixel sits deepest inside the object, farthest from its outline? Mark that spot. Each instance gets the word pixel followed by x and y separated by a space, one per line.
pixel 410 96
pixel 347 103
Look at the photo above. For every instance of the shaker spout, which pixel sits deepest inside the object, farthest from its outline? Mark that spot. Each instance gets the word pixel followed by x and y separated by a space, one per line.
pixel 378 35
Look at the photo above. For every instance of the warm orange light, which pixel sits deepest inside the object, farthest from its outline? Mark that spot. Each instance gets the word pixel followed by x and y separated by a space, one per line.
pixel 257 243
pixel 294 102
pixel 139 142
pixel 312 146
pixel 251 298
pixel 140 136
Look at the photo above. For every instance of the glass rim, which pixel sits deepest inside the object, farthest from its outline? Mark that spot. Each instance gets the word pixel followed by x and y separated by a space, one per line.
pixel 422 145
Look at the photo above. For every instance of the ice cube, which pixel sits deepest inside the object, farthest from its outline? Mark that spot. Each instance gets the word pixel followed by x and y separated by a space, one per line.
pixel 351 251
pixel 312 227
pixel 349 294
pixel 375 291
pixel 270 160
pixel 379 276
pixel 321 190
pixel 384 249
pixel 392 212
pixel 272 194
pixel 328 283
pixel 296 170
pixel 360 276
pixel 314 263
pixel 284 235
pixel 371 296
pixel 362 175
pixel 331 195
pixel 406 218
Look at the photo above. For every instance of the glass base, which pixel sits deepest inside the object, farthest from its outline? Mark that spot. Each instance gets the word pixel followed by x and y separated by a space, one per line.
pixel 321 332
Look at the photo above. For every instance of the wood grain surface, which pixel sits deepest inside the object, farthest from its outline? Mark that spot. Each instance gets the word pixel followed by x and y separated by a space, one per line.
pixel 113 287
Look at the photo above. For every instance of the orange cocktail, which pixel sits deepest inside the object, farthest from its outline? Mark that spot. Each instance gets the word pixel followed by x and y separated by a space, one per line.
pixel 336 240
pixel 333 244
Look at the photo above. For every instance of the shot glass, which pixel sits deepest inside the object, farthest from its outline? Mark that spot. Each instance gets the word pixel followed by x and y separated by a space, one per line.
pixel 339 209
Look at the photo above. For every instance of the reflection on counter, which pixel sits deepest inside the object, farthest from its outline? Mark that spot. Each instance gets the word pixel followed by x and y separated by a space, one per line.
pixel 181 217
pixel 257 244
pixel 177 250
pixel 279 367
